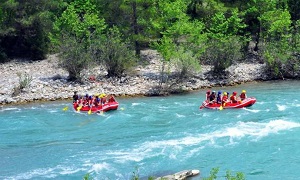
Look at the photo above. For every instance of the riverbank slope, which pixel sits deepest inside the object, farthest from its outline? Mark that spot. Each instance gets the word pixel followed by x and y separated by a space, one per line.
pixel 49 81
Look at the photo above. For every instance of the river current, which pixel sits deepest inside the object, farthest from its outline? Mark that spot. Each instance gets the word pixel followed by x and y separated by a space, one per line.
pixel 154 136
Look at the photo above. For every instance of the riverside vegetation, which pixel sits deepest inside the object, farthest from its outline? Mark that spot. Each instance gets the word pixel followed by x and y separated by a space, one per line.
pixel 215 34
pixel 188 35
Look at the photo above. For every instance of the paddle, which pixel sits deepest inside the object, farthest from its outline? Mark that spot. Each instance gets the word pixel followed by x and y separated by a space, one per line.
pixel 65 108
pixel 221 107
pixel 78 108
pixel 90 111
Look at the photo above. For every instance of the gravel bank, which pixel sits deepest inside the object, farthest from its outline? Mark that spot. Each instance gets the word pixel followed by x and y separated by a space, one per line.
pixel 50 83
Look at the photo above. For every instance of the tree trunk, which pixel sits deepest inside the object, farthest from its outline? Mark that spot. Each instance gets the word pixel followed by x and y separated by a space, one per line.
pixel 135 28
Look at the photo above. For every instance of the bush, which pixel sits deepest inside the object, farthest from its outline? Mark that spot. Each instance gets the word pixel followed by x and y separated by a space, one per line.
pixel 24 82
pixel 185 62
pixel 74 57
pixel 222 53
pixel 229 176
pixel 114 53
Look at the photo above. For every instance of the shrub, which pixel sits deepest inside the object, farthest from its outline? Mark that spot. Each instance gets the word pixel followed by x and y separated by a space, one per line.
pixel 185 62
pixel 24 82
pixel 222 53
pixel 74 57
pixel 114 53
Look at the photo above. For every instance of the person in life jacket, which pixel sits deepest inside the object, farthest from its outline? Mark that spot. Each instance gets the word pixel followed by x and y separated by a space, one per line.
pixel 243 95
pixel 97 100
pixel 85 100
pixel 224 98
pixel 111 98
pixel 212 97
pixel 75 97
pixel 219 97
pixel 90 101
pixel 207 95
pixel 233 97
pixel 103 98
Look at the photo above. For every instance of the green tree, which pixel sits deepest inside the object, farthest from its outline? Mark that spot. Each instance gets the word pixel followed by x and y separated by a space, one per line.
pixel 224 46
pixel 24 28
pixel 276 48
pixel 132 19
pixel 114 53
pixel 74 32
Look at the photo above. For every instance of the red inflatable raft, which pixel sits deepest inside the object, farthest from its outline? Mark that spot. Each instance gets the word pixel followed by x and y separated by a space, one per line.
pixel 101 108
pixel 240 104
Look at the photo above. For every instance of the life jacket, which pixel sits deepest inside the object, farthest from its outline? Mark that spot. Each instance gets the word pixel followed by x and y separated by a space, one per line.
pixel 97 101
pixel 111 99
pixel 233 99
pixel 103 100
pixel 219 100
pixel 208 96
pixel 85 102
pixel 212 97
pixel 224 98
pixel 243 96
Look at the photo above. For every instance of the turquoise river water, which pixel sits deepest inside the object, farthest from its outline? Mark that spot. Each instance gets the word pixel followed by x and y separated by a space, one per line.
pixel 156 136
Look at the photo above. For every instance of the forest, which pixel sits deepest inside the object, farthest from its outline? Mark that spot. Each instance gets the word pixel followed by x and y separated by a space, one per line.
pixel 186 33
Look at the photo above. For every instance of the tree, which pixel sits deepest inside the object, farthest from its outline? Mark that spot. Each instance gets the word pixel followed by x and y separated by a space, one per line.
pixel 74 57
pixel 224 46
pixel 74 32
pixel 25 26
pixel 114 53
pixel 276 34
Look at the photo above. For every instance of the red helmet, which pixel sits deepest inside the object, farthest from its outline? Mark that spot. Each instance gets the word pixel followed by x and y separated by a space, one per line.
pixel 234 93
pixel 208 92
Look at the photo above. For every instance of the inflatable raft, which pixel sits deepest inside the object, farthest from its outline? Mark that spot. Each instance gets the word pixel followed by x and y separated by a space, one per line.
pixel 101 108
pixel 240 104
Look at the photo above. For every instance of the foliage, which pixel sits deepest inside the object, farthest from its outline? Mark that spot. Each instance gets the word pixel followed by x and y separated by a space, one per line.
pixel 74 57
pixel 185 62
pixel 277 49
pixel 214 172
pixel 224 46
pixel 24 82
pixel 223 53
pixel 31 29
pixel 24 28
pixel 87 177
pixel 114 53
pixel 74 32
pixel 81 20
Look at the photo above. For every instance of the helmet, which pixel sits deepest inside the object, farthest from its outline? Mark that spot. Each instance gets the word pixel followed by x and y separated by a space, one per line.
pixel 90 97
pixel 208 91
pixel 86 95
pixel 234 93
pixel 225 93
pixel 243 91
pixel 219 92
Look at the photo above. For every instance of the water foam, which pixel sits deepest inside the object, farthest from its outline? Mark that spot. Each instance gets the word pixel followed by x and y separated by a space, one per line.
pixel 180 115
pixel 41 172
pixel 99 167
pixel 281 107
pixel 9 109
pixel 136 104
pixel 251 110
pixel 253 130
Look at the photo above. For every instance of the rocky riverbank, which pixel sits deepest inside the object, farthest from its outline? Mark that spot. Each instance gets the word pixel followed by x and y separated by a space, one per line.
pixel 49 82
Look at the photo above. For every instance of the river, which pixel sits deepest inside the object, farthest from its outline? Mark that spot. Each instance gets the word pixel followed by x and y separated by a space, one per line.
pixel 155 136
